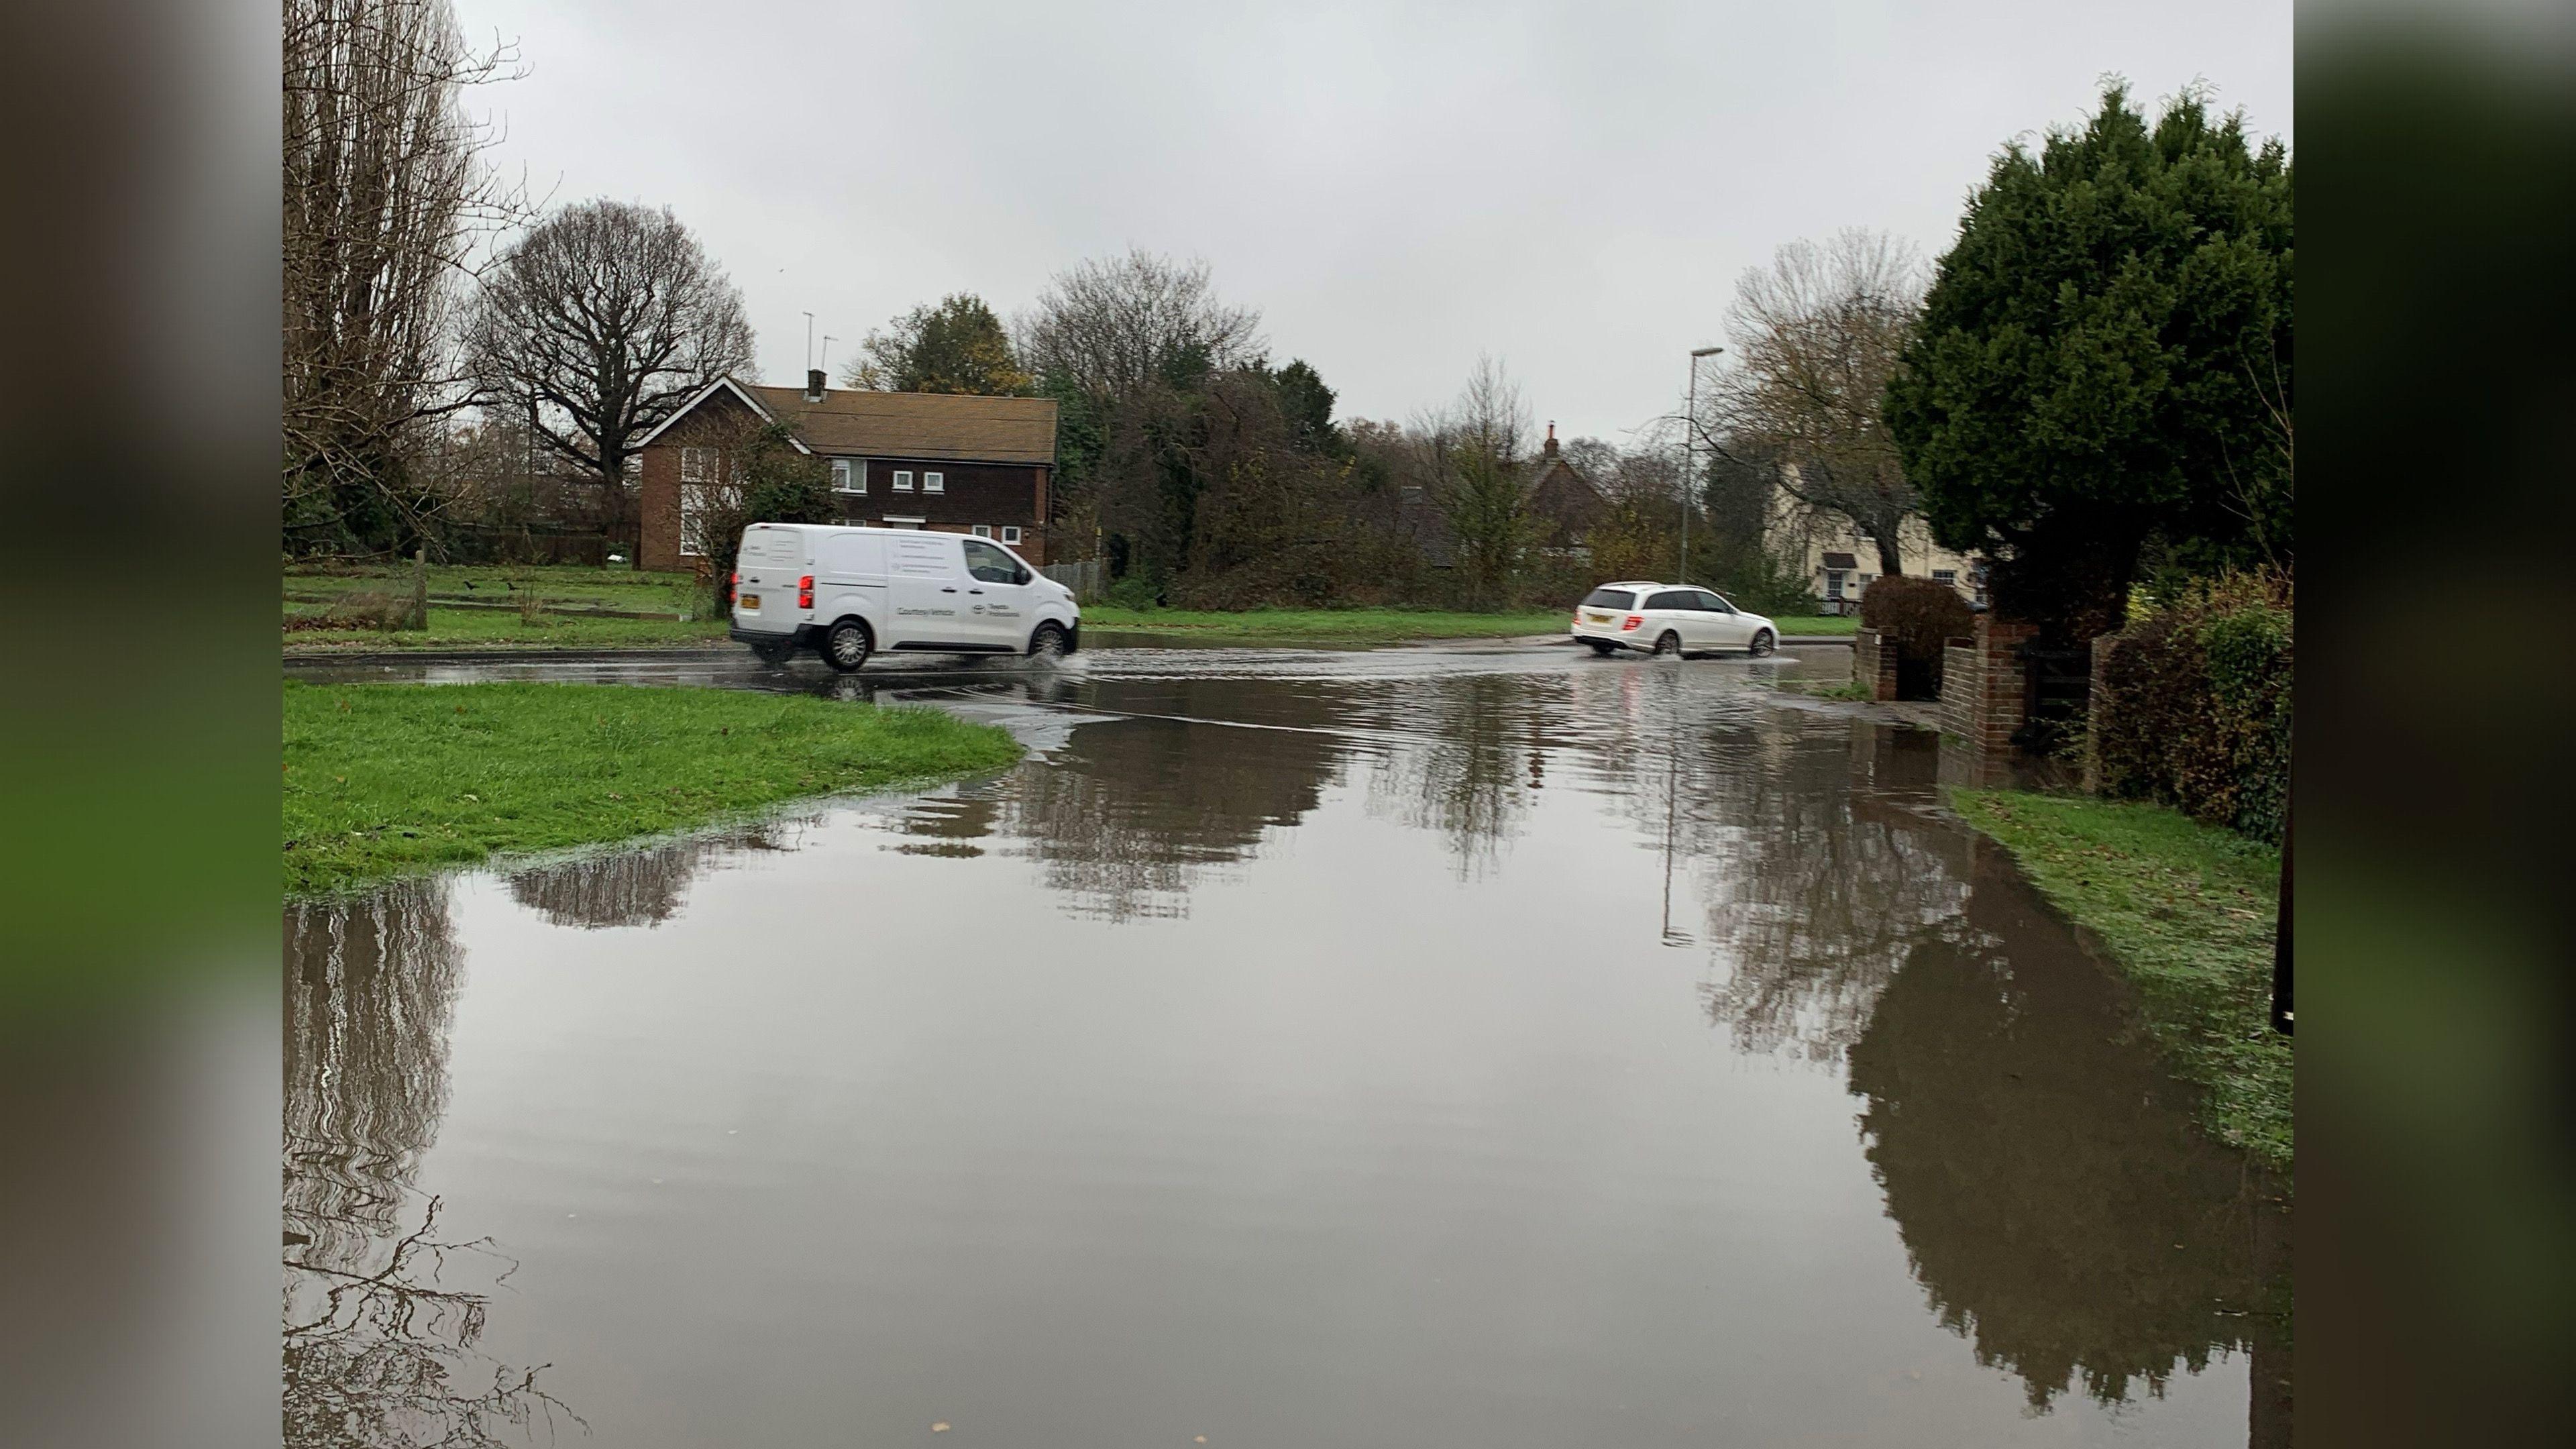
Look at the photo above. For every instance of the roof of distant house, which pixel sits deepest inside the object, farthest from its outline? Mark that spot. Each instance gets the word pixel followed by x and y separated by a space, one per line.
pixel 943 426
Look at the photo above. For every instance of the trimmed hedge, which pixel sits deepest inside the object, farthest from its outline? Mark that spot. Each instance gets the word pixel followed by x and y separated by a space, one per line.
pixel 1915 617
pixel 2192 708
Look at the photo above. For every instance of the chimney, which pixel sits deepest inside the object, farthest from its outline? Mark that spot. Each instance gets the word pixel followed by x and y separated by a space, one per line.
pixel 1549 451
pixel 813 384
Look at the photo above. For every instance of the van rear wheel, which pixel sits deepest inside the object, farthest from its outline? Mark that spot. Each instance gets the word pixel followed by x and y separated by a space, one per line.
pixel 847 646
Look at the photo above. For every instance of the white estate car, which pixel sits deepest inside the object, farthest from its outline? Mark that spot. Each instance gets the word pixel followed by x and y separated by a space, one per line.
pixel 848 592
pixel 1675 619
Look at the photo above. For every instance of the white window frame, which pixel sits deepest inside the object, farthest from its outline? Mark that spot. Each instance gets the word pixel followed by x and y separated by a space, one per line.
pixel 1946 576
pixel 983 530
pixel 697 465
pixel 934 482
pixel 1010 533
pixel 903 480
pixel 850 475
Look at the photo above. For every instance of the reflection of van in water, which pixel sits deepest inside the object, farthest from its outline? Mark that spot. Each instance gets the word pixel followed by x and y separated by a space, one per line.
pixel 848 592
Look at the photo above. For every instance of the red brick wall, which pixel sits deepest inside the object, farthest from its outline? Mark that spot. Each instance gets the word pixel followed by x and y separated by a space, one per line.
pixel 1874 664
pixel 996 494
pixel 718 421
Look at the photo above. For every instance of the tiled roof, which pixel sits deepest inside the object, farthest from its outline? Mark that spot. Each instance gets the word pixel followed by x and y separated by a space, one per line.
pixel 918 424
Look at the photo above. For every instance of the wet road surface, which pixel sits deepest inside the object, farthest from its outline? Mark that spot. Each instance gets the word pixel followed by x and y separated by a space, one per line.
pixel 1487 1045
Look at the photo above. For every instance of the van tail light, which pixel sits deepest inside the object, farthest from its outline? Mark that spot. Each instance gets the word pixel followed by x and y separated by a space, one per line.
pixel 805 592
pixel 1631 622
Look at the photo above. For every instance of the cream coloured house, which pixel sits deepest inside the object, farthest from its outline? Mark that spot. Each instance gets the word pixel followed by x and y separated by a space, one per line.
pixel 1838 560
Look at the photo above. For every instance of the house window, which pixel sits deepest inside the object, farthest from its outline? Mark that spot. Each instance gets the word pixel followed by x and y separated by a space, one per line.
pixel 1947 577
pixel 1010 533
pixel 693 519
pixel 934 482
pixel 902 480
pixel 1833 583
pixel 697 465
pixel 849 476
pixel 982 530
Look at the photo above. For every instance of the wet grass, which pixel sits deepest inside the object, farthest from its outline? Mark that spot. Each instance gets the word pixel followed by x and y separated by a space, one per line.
pixel 2187 910
pixel 500 631
pixel 385 780
pixel 455 624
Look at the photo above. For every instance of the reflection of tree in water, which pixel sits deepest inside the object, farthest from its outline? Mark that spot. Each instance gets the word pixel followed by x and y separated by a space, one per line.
pixel 379 1349
pixel 2055 1200
pixel 1468 770
pixel 630 887
pixel 1130 813
pixel 1814 868
pixel 949 825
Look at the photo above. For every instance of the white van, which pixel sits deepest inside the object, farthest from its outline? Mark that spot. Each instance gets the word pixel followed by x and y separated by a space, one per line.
pixel 848 592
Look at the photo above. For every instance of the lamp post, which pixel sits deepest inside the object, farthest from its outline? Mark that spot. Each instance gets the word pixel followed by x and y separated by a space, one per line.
pixel 1690 438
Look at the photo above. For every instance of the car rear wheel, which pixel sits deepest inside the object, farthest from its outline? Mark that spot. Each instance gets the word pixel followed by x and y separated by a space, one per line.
pixel 1600 648
pixel 1762 642
pixel 1668 646
pixel 847 646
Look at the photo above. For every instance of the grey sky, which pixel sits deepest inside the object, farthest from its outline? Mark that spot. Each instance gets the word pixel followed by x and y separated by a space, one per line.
pixel 1573 188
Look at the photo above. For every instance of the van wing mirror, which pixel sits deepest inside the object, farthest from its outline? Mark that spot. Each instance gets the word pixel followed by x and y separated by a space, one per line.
pixel 1019 576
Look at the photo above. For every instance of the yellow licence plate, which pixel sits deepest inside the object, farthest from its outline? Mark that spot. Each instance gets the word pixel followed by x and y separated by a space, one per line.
pixel 748 601
pixel 1596 618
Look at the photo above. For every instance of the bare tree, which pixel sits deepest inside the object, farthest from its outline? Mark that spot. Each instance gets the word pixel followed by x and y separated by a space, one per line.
pixel 384 202
pixel 1815 337
pixel 608 315
pixel 1113 325
pixel 1477 445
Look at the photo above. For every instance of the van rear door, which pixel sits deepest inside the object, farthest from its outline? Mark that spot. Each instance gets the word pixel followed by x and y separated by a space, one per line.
pixel 771 563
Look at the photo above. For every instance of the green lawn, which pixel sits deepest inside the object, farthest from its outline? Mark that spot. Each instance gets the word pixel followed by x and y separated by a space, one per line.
pixel 455 624
pixel 383 780
pixel 2187 910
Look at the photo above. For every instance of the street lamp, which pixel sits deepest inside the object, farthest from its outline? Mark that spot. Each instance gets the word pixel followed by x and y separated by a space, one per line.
pixel 1690 436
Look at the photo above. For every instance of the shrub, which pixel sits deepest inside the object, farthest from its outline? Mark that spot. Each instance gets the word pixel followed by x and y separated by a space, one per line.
pixel 2194 707
pixel 1915 617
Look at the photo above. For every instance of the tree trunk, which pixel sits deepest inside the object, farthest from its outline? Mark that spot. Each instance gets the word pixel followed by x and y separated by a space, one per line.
pixel 1891 563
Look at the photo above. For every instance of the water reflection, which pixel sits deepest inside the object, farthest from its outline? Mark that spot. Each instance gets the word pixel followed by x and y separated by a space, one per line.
pixel 2057 1204
pixel 2057 1209
pixel 383 1307
pixel 640 887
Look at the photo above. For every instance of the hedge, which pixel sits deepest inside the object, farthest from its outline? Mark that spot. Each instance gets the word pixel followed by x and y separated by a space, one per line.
pixel 2192 706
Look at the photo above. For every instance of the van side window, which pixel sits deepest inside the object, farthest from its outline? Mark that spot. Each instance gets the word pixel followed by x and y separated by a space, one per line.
pixel 990 564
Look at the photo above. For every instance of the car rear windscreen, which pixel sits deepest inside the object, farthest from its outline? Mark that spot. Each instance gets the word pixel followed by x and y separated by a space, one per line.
pixel 1609 599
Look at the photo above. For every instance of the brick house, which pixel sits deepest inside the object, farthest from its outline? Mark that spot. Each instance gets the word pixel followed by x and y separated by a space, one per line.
pixel 952 464
pixel 1562 501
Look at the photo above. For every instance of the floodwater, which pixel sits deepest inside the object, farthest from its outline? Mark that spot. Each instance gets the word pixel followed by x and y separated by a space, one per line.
pixel 1483 1046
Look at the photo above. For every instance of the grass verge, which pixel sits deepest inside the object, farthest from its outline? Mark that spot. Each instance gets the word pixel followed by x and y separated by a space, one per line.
pixel 1364 626
pixel 2187 910
pixel 383 780
pixel 500 632
pixel 1337 626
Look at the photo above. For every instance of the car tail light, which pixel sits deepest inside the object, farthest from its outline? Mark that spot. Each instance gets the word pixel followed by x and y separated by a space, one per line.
pixel 737 578
pixel 1631 622
pixel 805 592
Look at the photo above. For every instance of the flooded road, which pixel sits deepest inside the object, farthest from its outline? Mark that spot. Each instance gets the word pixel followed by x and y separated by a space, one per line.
pixel 1483 1046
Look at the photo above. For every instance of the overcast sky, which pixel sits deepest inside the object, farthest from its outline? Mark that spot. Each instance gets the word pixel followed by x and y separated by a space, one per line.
pixel 1572 188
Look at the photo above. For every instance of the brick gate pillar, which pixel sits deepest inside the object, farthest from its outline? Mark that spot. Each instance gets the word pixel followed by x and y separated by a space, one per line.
pixel 2001 703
